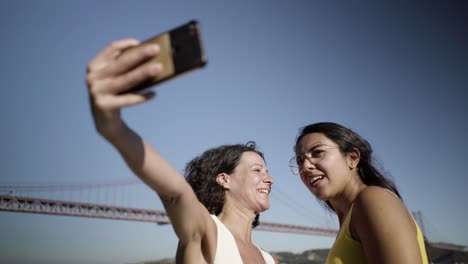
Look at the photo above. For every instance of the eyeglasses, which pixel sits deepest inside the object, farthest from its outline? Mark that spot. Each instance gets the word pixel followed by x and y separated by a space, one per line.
pixel 313 155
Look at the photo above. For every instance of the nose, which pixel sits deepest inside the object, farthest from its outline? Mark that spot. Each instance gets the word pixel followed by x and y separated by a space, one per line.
pixel 308 165
pixel 268 179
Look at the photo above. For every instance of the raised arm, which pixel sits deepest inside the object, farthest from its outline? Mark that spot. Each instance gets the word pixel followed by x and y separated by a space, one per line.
pixel 385 228
pixel 109 75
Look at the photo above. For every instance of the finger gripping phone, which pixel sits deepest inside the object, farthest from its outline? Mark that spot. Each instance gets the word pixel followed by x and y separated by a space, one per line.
pixel 181 51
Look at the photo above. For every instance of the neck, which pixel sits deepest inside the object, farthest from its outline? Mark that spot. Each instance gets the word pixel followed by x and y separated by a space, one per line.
pixel 343 201
pixel 239 222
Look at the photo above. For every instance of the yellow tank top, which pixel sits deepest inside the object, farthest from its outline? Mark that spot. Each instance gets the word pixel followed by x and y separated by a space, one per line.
pixel 346 250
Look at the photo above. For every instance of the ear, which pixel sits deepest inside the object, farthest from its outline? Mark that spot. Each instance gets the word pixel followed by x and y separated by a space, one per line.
pixel 224 180
pixel 353 158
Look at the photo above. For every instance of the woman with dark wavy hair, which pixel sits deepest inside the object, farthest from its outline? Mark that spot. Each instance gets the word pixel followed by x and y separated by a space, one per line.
pixel 229 185
pixel 336 165
pixel 201 174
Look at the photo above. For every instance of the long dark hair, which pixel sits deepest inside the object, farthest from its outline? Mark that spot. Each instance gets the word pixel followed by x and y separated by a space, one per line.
pixel 201 174
pixel 347 140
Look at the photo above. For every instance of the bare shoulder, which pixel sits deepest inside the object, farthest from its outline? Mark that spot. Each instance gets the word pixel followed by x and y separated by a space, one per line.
pixel 374 199
pixel 376 191
pixel 378 210
pixel 383 224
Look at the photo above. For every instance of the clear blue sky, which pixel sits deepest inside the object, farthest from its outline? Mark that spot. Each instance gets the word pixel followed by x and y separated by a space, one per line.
pixel 395 72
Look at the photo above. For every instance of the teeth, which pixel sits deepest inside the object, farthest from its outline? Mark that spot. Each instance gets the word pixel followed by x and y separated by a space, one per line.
pixel 264 191
pixel 316 178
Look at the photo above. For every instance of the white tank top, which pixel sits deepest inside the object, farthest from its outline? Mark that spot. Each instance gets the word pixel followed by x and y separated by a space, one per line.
pixel 226 249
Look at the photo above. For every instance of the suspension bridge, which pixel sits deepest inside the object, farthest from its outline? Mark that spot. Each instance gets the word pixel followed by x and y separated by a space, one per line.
pixel 35 199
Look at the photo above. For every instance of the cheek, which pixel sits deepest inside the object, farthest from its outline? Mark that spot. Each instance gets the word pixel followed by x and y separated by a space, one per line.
pixel 332 163
pixel 334 168
pixel 253 180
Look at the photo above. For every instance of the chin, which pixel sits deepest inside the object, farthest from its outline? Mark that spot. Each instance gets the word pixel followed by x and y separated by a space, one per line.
pixel 322 196
pixel 264 207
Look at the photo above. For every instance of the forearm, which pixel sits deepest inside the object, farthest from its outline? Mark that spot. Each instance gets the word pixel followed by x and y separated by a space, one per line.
pixel 111 74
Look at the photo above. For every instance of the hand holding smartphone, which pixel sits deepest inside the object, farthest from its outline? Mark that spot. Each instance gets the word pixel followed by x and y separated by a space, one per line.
pixel 181 51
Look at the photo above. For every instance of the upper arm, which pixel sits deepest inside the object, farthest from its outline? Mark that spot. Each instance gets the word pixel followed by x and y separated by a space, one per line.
pixel 195 229
pixel 190 219
pixel 385 228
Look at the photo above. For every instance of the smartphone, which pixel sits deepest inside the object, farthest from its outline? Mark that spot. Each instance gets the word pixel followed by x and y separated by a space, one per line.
pixel 181 51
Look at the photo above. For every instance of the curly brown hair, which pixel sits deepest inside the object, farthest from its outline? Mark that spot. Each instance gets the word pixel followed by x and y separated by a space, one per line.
pixel 201 174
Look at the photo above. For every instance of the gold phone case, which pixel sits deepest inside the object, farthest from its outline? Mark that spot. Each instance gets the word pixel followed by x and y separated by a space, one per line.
pixel 181 50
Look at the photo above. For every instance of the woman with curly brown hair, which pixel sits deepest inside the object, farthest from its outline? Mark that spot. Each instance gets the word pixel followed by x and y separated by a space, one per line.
pixel 229 185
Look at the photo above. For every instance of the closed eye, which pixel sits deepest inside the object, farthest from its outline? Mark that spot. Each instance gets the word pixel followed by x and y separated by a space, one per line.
pixel 257 169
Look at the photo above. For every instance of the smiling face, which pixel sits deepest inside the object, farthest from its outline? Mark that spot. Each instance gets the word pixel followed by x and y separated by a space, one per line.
pixel 250 183
pixel 324 170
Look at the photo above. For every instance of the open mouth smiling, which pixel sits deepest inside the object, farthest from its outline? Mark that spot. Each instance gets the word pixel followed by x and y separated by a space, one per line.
pixel 314 180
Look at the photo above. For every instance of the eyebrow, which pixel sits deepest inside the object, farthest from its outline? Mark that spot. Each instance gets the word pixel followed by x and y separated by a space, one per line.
pixel 314 146
pixel 257 164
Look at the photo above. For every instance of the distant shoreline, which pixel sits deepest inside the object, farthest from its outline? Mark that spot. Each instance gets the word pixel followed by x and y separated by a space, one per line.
pixel 319 256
